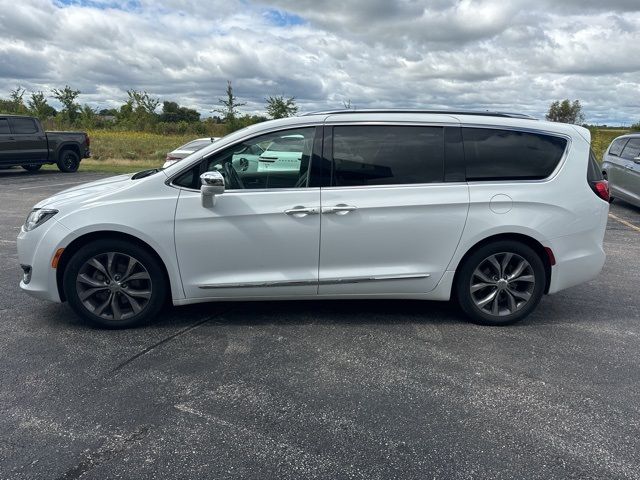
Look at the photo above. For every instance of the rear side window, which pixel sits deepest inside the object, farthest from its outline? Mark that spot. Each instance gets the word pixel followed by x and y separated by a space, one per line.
pixel 4 126
pixel 594 173
pixel 617 146
pixel 23 125
pixel 387 155
pixel 632 149
pixel 493 154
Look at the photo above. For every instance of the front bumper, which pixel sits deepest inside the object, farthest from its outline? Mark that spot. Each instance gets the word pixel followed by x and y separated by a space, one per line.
pixel 36 249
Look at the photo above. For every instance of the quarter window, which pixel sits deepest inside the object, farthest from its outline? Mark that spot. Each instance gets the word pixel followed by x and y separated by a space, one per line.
pixel 617 146
pixel 493 154
pixel 4 126
pixel 387 155
pixel 23 125
pixel 632 149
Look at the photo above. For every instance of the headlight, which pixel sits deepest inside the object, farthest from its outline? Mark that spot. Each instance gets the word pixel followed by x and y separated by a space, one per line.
pixel 37 217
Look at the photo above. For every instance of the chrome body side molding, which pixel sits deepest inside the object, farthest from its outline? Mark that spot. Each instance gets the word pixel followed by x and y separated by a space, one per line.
pixel 325 281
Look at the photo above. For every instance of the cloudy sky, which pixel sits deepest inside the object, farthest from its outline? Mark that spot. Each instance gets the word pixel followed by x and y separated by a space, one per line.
pixel 476 54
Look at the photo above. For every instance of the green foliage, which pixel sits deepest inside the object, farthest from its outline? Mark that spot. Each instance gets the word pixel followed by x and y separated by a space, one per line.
pixel 229 109
pixel 38 106
pixel 280 107
pixel 566 112
pixel 636 127
pixel 70 108
pixel 172 112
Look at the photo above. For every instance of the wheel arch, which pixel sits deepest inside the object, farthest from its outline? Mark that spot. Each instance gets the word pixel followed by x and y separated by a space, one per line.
pixel 87 238
pixel 68 146
pixel 531 242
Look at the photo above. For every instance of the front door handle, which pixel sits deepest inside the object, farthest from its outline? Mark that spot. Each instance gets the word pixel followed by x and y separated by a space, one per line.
pixel 301 211
pixel 340 209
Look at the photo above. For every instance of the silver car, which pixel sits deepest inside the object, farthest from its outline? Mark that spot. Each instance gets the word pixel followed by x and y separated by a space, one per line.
pixel 187 149
pixel 621 167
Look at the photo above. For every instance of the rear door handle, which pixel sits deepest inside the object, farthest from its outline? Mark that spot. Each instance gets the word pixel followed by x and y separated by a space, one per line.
pixel 340 209
pixel 301 211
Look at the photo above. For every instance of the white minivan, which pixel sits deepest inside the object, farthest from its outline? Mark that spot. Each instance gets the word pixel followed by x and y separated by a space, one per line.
pixel 491 209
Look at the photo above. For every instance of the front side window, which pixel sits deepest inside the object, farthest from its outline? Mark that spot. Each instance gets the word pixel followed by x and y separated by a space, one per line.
pixel 387 155
pixel 617 146
pixel 493 154
pixel 23 125
pixel 274 160
pixel 632 149
pixel 4 127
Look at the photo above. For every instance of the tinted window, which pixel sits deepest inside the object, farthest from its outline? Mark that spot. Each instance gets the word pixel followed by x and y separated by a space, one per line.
pixel 387 155
pixel 505 154
pixel 23 125
pixel 247 165
pixel 4 126
pixel 594 173
pixel 617 146
pixel 632 149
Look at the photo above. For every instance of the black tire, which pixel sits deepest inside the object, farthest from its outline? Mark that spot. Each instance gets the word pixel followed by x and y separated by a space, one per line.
pixel 68 161
pixel 480 259
pixel 148 266
pixel 32 168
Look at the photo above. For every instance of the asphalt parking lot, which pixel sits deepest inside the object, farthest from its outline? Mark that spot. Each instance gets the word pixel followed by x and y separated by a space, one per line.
pixel 349 389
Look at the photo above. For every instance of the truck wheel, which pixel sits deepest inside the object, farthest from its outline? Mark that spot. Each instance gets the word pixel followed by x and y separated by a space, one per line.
pixel 69 161
pixel 32 168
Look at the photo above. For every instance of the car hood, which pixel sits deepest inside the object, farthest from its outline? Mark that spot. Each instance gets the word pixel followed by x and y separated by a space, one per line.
pixel 87 192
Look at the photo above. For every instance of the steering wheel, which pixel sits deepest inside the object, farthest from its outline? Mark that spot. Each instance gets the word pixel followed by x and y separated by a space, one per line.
pixel 232 175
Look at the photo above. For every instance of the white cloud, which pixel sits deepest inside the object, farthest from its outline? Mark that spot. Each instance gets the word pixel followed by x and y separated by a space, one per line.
pixel 482 54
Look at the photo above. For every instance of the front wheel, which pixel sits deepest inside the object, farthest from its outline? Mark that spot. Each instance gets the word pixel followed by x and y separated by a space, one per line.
pixel 114 284
pixel 500 283
pixel 69 161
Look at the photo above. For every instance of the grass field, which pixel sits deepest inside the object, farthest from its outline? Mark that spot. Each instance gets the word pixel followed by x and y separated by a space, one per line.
pixel 122 152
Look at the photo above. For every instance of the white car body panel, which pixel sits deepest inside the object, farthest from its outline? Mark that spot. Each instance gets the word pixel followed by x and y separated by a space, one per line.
pixel 246 246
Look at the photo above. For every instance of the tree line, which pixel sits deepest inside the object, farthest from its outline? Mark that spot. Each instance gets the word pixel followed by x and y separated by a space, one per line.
pixel 140 112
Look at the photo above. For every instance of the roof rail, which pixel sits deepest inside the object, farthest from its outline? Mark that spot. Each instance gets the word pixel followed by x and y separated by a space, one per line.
pixel 408 110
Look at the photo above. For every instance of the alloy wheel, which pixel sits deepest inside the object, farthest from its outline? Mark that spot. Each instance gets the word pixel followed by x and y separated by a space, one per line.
pixel 114 286
pixel 502 284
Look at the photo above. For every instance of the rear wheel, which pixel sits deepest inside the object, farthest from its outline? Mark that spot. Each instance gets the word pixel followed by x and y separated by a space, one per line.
pixel 68 161
pixel 500 283
pixel 32 168
pixel 114 284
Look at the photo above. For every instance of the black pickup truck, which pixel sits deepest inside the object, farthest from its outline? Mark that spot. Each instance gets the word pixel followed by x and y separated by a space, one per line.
pixel 23 142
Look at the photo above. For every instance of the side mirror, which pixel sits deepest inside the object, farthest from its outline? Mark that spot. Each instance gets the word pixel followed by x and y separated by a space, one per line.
pixel 212 185
pixel 636 160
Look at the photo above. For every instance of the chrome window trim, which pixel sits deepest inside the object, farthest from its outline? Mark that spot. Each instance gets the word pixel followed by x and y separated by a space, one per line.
pixel 326 281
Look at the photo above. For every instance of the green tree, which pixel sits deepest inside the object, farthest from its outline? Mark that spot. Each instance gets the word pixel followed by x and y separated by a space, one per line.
pixel 229 109
pixel 87 117
pixel 566 112
pixel 142 102
pixel 39 107
pixel 67 97
pixel 172 113
pixel 636 126
pixel 280 107
pixel 16 97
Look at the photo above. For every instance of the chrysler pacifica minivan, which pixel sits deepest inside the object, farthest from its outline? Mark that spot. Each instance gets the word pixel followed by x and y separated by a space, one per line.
pixel 493 210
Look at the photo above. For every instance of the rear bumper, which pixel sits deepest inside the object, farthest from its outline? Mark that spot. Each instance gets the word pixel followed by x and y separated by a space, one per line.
pixel 579 258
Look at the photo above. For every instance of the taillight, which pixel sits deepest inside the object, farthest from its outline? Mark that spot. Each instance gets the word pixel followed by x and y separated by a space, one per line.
pixel 601 188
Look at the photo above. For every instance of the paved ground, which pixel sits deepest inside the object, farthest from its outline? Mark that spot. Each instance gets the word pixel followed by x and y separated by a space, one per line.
pixel 321 390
